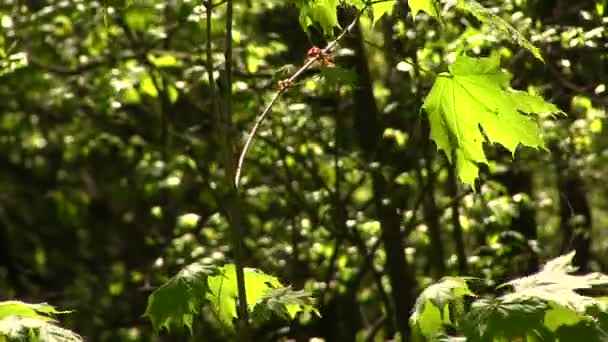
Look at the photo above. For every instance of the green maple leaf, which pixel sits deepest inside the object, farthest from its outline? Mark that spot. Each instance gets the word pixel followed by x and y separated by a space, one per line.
pixel 43 311
pixel 429 6
pixel 487 17
pixel 567 309
pixel 223 293
pixel 261 289
pixel 21 321
pixel 504 320
pixel 177 302
pixel 319 12
pixel 555 285
pixel 431 309
pixel 475 95
pixel 286 302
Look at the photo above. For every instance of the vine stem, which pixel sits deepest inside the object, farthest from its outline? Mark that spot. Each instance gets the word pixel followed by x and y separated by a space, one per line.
pixel 282 89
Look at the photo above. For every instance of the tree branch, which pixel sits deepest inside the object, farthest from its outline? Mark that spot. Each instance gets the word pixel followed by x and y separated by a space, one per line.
pixel 282 89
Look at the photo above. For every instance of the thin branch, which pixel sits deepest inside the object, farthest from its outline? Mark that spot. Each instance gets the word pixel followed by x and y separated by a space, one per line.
pixel 224 120
pixel 282 89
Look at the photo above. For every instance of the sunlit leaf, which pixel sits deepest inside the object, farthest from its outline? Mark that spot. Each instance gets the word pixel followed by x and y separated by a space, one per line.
pixel 16 328
pixel 379 9
pixel 473 102
pixel 21 321
pixel 319 12
pixel 431 7
pixel 41 311
pixel 431 309
pixel 262 290
pixel 287 303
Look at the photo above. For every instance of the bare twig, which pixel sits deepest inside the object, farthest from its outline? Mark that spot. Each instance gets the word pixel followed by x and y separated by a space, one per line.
pixel 282 89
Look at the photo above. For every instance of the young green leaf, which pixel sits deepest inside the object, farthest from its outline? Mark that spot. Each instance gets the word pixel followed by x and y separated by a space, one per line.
pixel 504 320
pixel 223 293
pixel 487 17
pixel 287 303
pixel 379 9
pixel 16 328
pixel 43 311
pixel 21 321
pixel 319 12
pixel 559 315
pixel 177 302
pixel 429 6
pixel 431 309
pixel 474 96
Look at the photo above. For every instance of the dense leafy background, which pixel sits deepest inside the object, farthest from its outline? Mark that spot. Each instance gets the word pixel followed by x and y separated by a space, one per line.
pixel 112 181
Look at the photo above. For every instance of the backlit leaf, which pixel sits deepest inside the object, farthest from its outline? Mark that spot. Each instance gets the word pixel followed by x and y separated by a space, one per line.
pixel 379 9
pixel 431 310
pixel 21 321
pixel 473 102
pixel 431 7
pixel 261 289
pixel 319 12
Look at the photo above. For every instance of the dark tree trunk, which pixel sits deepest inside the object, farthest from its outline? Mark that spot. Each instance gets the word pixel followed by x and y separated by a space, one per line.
pixel 456 226
pixel 368 130
pixel 431 217
pixel 518 181
pixel 574 211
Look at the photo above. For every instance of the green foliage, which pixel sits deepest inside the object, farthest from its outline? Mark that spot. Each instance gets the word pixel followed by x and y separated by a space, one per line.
pixel 179 301
pixel 21 321
pixel 287 303
pixel 261 289
pixel 543 306
pixel 44 312
pixel 473 102
pixel 487 17
pixel 113 166
pixel 320 13
pixel 379 9
pixel 431 311
pixel 429 6
pixel 497 319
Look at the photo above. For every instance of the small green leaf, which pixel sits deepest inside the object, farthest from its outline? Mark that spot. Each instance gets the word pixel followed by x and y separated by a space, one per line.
pixel 431 310
pixel 487 17
pixel 164 61
pixel 223 293
pixel 431 7
pixel 16 328
pixel 559 315
pixel 41 311
pixel 261 289
pixel 319 12
pixel 146 86
pixel 287 303
pixel 379 9
pixel 178 301
pixel 473 102
pixel 20 321
pixel 498 319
